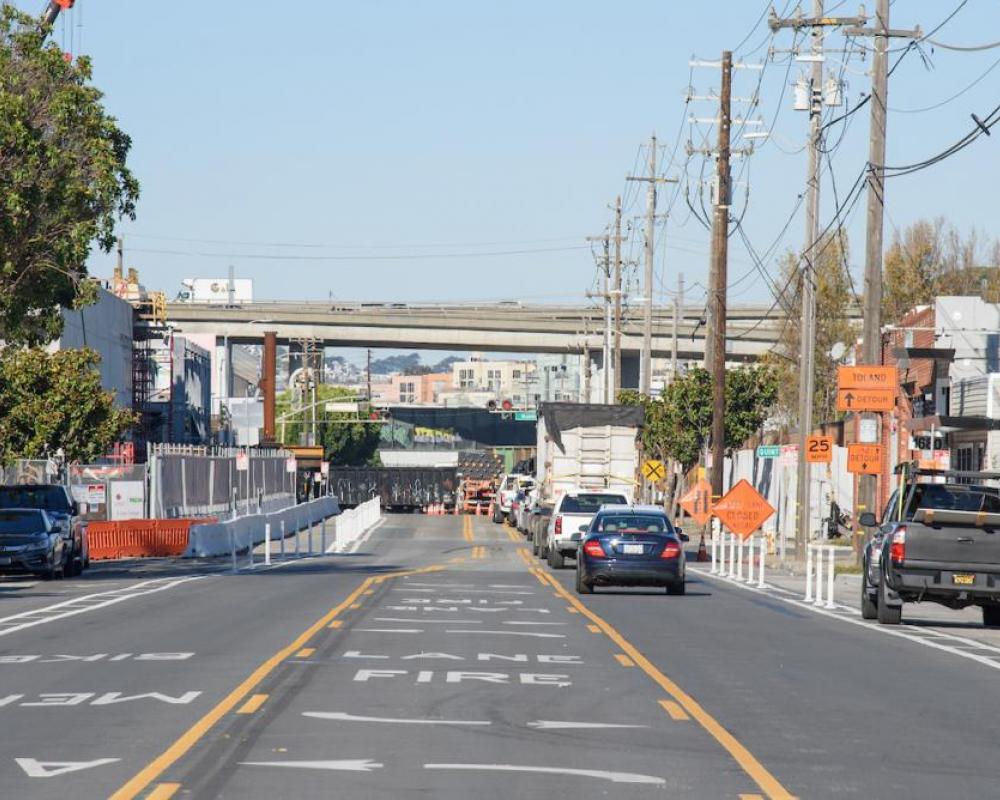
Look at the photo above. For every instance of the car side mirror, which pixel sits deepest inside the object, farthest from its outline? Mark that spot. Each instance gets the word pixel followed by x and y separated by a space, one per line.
pixel 583 528
pixel 683 536
pixel 868 520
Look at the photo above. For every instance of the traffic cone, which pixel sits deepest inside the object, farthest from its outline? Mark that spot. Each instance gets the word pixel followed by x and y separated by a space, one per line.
pixel 702 550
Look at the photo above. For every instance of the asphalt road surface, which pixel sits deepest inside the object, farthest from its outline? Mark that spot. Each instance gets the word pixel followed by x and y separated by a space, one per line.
pixel 442 661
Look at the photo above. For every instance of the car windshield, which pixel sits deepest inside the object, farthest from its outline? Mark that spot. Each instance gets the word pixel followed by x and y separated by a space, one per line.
pixel 589 503
pixel 633 523
pixel 953 498
pixel 50 498
pixel 13 523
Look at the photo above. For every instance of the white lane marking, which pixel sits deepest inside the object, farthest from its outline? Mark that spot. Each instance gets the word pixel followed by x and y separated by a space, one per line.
pixel 514 633
pixel 463 591
pixel 338 715
pixel 433 621
pixel 441 585
pixel 92 602
pixel 614 777
pixel 530 622
pixel 348 765
pixel 388 630
pixel 855 619
pixel 557 725
pixel 47 769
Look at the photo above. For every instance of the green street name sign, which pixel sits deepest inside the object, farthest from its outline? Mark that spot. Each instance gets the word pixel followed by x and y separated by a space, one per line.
pixel 525 416
pixel 769 451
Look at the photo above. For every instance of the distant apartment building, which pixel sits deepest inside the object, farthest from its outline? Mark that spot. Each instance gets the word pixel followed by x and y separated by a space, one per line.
pixel 496 380
pixel 411 389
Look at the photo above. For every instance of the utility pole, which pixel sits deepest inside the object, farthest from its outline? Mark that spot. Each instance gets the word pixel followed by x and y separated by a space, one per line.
pixel 618 299
pixel 678 310
pixel 368 379
pixel 719 270
pixel 645 362
pixel 605 240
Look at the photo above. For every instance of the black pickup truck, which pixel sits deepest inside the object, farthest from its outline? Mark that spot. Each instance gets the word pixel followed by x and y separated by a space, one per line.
pixel 938 541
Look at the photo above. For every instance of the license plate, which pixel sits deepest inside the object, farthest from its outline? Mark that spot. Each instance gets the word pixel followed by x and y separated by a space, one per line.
pixel 963 580
pixel 633 549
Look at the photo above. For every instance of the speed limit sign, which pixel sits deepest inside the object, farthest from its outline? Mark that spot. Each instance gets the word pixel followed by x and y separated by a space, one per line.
pixel 819 449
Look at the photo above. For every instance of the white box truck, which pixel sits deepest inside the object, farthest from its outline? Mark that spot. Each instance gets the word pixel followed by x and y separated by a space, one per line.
pixel 216 291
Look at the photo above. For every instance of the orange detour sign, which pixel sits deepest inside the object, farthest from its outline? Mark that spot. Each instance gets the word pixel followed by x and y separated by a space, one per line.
pixel 867 378
pixel 864 459
pixel 866 400
pixel 697 501
pixel 743 510
pixel 819 449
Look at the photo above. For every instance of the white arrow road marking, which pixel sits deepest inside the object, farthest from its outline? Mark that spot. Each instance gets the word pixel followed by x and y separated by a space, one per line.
pixel 339 715
pixel 514 633
pixel 433 621
pixel 614 777
pixel 355 765
pixel 556 725
pixel 47 769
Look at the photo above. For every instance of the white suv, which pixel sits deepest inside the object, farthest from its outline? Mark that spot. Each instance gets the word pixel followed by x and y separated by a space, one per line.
pixel 573 510
pixel 509 487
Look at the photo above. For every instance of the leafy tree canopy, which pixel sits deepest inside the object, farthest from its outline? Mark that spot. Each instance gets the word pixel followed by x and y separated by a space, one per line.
pixel 679 422
pixel 54 401
pixel 344 443
pixel 63 181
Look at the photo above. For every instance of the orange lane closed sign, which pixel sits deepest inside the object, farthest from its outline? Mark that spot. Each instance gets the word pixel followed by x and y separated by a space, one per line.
pixel 864 459
pixel 743 510
pixel 697 501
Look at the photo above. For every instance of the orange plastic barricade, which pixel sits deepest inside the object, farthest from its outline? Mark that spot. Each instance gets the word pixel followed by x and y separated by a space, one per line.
pixel 141 538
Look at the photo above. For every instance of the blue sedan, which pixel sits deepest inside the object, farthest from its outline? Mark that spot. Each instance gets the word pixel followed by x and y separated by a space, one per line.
pixel 631 546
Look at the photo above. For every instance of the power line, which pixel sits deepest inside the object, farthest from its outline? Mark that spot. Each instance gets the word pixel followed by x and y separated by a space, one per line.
pixel 341 246
pixel 399 257
pixel 955 96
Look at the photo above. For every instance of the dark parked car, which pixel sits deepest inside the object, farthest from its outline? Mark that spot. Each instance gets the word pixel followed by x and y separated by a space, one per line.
pixel 936 542
pixel 630 546
pixel 32 542
pixel 56 502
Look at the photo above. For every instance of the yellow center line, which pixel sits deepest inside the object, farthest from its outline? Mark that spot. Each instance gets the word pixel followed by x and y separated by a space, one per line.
pixel 163 791
pixel 467 533
pixel 355 606
pixel 593 629
pixel 677 713
pixel 572 610
pixel 624 660
pixel 251 705
pixel 751 797
pixel 337 623
pixel 770 785
pixel 196 732
pixel 305 652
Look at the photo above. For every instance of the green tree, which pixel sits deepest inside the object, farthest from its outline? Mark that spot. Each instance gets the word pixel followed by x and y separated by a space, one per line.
pixel 63 181
pixel 54 401
pixel 678 424
pixel 345 443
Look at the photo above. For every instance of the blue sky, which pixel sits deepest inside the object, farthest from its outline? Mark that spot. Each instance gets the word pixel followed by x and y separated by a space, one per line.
pixel 444 128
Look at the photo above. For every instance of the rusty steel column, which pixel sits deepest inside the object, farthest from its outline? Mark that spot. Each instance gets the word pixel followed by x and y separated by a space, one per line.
pixel 268 379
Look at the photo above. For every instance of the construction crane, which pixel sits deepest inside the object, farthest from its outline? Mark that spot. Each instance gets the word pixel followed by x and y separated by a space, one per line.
pixel 56 7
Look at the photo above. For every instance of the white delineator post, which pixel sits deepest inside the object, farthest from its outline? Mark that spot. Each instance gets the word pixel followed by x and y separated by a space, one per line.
pixel 714 540
pixel 732 555
pixel 819 576
pixel 830 575
pixel 722 554
pixel 750 549
pixel 739 558
pixel 809 573
pixel 763 560
pixel 267 544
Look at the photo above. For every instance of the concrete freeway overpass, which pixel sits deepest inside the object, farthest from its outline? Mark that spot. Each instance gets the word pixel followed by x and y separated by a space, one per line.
pixel 502 327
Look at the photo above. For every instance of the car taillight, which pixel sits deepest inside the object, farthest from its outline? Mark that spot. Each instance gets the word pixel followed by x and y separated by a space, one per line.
pixel 558 526
pixel 671 550
pixel 897 550
pixel 593 549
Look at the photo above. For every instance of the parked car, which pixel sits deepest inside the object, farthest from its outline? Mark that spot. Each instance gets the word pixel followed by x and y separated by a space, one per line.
pixel 936 542
pixel 572 511
pixel 32 542
pixel 510 485
pixel 56 501
pixel 525 510
pixel 630 546
pixel 538 526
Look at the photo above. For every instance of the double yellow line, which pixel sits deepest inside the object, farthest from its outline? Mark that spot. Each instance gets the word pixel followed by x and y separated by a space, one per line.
pixel 197 732
pixel 479 552
pixel 467 529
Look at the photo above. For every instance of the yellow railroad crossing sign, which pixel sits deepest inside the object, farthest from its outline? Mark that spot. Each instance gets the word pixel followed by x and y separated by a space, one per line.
pixel 654 470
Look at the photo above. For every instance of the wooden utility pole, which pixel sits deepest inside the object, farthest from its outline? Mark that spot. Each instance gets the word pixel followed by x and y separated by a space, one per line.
pixel 717 290
pixel 617 290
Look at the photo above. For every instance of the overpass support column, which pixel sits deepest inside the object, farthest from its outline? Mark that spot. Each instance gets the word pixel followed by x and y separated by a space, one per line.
pixel 268 379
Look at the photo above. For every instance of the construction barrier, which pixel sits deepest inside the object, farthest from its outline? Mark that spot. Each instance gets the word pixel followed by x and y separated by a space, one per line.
pixel 140 538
